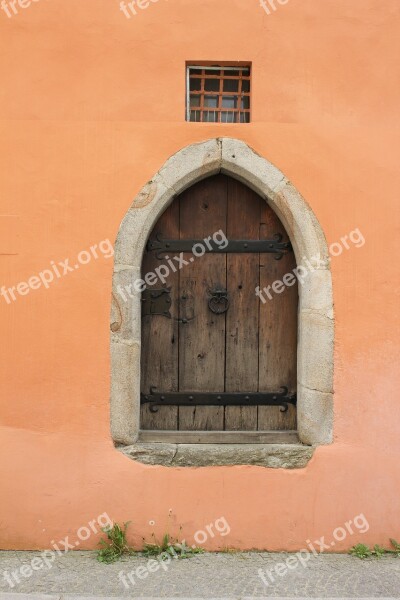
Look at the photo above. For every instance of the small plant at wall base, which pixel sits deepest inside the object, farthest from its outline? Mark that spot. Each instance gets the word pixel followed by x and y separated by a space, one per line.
pixel 116 546
pixel 171 547
pixel 362 551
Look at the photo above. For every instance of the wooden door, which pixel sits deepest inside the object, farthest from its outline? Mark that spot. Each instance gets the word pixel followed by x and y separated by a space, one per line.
pixel 208 344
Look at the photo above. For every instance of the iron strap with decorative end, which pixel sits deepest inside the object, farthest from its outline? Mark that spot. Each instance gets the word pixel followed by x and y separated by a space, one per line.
pixel 274 246
pixel 157 399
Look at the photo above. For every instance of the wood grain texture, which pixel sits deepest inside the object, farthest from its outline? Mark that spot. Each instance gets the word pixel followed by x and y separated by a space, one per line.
pixel 202 340
pixel 159 354
pixel 220 437
pixel 244 207
pixel 278 329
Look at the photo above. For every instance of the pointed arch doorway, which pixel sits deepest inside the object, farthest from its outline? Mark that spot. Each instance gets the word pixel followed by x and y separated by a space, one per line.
pixel 315 331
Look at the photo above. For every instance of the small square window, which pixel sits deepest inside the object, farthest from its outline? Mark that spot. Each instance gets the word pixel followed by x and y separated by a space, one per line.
pixel 218 94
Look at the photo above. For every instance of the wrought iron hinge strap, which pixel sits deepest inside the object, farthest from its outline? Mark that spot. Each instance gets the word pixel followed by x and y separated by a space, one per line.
pixel 274 246
pixel 281 398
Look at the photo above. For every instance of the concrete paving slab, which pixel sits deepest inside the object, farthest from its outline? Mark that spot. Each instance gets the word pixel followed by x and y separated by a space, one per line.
pixel 16 596
pixel 255 575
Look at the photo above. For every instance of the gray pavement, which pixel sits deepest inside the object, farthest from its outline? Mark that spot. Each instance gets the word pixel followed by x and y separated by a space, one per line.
pixel 78 575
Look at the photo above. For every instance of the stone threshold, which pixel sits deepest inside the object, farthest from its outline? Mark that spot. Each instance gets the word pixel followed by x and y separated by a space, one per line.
pixel 275 456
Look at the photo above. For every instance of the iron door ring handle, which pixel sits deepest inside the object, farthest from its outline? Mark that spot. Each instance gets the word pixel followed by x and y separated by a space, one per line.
pixel 219 302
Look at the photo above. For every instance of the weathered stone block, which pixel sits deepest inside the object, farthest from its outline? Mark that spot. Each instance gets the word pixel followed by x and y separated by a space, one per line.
pixel 315 351
pixel 316 292
pixel 125 391
pixel 303 229
pixel 148 205
pixel 315 416
pixel 126 305
pixel 241 161
pixel 192 164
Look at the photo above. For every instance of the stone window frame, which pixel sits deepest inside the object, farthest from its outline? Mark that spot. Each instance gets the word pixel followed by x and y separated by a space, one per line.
pixel 315 322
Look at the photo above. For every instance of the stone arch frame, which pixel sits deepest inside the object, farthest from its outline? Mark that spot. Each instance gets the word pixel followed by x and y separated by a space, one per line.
pixel 316 319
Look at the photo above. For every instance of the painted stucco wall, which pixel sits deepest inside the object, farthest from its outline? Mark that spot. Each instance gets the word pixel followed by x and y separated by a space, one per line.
pixel 91 105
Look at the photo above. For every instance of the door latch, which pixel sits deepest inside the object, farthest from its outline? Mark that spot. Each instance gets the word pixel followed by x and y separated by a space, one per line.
pixel 156 302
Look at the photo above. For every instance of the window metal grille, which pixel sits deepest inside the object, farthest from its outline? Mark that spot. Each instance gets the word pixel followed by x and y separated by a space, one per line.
pixel 218 94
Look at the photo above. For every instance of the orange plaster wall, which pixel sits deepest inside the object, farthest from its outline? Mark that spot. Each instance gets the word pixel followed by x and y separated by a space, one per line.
pixel 91 105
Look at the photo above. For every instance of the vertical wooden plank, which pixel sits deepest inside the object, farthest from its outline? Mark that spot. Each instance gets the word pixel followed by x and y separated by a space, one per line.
pixel 202 340
pixel 244 208
pixel 278 329
pixel 159 357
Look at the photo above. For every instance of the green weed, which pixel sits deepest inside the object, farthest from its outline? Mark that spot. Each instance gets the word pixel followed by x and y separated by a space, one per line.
pixel 170 547
pixel 362 551
pixel 116 545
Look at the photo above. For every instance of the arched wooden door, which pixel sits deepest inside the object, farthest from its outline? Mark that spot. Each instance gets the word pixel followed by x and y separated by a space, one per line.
pixel 214 355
